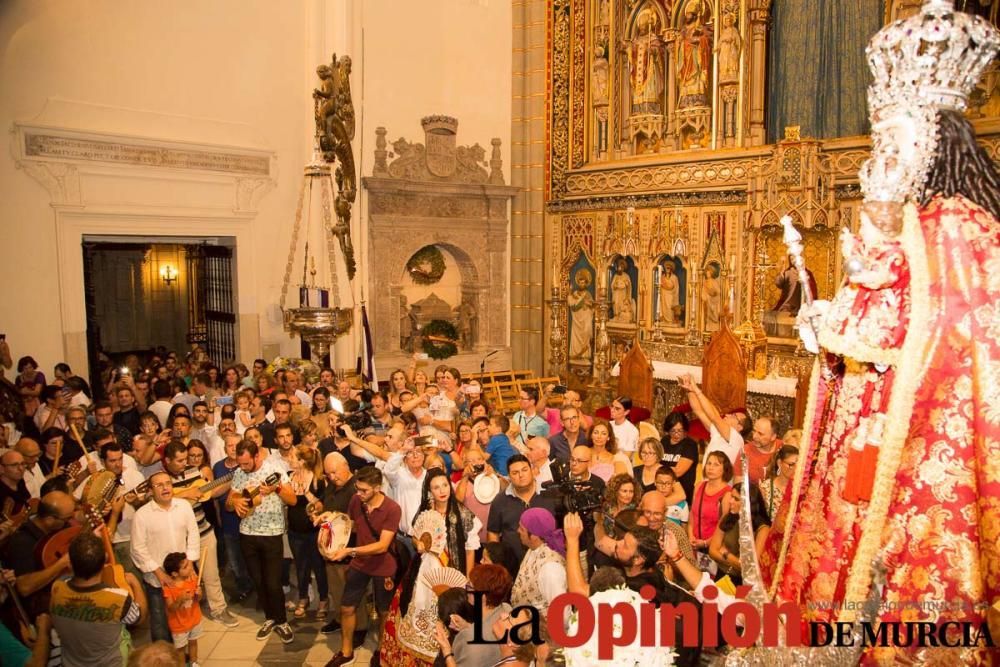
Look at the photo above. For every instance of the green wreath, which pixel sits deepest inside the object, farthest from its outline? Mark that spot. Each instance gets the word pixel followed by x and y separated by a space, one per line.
pixel 428 255
pixel 439 339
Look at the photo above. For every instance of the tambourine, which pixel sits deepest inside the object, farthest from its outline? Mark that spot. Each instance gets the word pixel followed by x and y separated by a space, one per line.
pixel 334 533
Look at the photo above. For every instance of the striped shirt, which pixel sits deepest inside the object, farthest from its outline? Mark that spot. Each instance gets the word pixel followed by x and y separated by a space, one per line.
pixel 184 480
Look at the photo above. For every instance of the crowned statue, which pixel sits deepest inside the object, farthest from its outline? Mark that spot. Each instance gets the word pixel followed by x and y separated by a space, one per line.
pixel 898 480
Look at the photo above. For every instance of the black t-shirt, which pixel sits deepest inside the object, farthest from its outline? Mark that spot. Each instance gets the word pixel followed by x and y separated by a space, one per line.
pixel 267 433
pixel 19 555
pixel 298 520
pixel 685 449
pixel 669 594
pixel 128 420
pixel 355 463
pixel 337 500
pixel 505 515
pixel 19 495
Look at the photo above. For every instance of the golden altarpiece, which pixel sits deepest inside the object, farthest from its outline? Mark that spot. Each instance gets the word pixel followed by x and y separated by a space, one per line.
pixel 664 199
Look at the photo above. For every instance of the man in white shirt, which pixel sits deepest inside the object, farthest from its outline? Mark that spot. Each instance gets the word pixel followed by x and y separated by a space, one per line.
pixel 405 471
pixel 122 508
pixel 294 390
pixel 162 393
pixel 165 525
pixel 33 475
pixel 726 431
pixel 538 456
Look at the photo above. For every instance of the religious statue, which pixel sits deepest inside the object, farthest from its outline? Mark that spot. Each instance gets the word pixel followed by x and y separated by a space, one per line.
pixel 711 297
pixel 334 115
pixel 669 295
pixel 645 60
pixel 599 97
pixel 694 55
pixel 467 317
pixel 407 325
pixel 791 289
pixel 622 304
pixel 728 47
pixel 581 308
pixel 899 475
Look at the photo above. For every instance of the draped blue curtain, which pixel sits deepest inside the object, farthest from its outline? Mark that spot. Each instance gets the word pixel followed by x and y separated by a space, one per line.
pixel 817 74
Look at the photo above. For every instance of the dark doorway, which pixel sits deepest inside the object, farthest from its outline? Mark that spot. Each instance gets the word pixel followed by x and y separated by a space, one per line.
pixel 162 293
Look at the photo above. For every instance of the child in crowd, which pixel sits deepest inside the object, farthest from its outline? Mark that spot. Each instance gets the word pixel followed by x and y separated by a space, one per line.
pixel 243 416
pixel 183 610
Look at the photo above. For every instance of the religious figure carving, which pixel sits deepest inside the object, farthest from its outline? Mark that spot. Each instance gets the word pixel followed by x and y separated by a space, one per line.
pixel 711 297
pixel 467 317
pixel 645 60
pixel 669 295
pixel 407 325
pixel 599 95
pixel 581 308
pixel 729 46
pixel 334 112
pixel 694 55
pixel 622 304
pixel 791 289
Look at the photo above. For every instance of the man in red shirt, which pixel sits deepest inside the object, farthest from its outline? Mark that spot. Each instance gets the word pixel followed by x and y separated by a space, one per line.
pixel 760 450
pixel 376 520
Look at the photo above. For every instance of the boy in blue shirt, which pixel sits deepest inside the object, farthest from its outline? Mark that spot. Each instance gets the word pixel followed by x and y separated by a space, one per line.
pixel 498 448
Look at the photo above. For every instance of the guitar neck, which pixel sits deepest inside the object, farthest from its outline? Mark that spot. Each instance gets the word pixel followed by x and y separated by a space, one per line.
pixel 216 483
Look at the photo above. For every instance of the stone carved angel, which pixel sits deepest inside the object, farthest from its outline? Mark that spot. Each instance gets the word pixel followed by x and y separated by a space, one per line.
pixel 335 121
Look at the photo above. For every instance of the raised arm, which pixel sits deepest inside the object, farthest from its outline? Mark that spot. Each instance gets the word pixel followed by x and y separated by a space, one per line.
pixel 704 409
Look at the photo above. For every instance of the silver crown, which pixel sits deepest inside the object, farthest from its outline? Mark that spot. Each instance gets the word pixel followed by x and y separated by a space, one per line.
pixel 935 58
pixel 921 64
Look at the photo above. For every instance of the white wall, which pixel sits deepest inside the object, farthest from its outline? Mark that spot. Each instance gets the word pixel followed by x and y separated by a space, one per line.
pixel 248 61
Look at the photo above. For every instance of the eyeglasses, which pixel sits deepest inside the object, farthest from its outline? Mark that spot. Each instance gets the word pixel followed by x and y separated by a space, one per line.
pixel 677 430
pixel 19 464
pixel 647 453
pixel 576 460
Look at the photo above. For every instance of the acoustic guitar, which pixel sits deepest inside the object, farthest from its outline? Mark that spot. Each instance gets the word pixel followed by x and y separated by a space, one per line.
pixel 28 631
pixel 18 518
pixel 56 545
pixel 206 488
pixel 113 574
pixel 252 493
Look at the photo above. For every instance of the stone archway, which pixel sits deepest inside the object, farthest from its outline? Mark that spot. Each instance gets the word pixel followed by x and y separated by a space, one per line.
pixel 439 195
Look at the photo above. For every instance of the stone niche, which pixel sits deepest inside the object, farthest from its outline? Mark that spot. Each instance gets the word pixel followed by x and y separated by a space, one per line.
pixel 439 194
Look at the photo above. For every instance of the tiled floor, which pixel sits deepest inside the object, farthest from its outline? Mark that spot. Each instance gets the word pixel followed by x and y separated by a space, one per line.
pixel 220 646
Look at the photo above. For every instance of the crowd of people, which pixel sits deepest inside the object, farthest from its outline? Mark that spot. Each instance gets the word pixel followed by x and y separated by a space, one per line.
pixel 189 489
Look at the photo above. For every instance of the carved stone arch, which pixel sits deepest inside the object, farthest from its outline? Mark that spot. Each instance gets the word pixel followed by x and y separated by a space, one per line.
pixel 655 7
pixel 570 259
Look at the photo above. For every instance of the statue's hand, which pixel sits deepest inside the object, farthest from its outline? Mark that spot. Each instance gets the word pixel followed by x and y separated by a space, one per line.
pixel 808 314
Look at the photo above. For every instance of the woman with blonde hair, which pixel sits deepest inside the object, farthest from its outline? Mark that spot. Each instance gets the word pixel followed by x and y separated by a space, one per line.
pixel 308 484
pixel 397 384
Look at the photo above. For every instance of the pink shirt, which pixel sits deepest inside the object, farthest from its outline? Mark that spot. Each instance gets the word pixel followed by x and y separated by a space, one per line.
pixel 705 511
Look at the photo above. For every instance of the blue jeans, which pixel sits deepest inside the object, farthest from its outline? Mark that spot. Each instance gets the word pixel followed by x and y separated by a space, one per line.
pixel 234 556
pixel 158 628
pixel 307 562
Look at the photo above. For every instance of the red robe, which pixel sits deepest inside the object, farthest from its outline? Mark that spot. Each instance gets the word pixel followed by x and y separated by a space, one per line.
pixel 934 509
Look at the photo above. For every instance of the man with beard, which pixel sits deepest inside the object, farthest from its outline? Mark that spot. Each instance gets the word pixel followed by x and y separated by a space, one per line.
pixel 637 554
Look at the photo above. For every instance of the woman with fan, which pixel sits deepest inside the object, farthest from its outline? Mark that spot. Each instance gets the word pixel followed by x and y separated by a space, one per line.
pixel 409 636
pixel 462 525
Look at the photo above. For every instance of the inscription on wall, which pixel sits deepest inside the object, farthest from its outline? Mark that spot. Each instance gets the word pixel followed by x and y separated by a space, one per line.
pixel 43 145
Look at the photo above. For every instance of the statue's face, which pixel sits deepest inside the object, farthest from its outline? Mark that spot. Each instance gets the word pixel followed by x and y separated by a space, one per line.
pixel 903 141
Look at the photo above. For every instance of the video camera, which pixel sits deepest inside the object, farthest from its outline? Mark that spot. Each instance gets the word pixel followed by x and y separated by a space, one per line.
pixel 358 421
pixel 572 495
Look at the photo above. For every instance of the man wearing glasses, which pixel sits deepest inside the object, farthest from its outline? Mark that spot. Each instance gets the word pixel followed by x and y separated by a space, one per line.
pixel 571 435
pixel 529 422
pixel 163 526
pixel 12 486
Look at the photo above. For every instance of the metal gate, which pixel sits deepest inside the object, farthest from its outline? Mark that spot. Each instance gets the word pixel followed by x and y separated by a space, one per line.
pixel 210 301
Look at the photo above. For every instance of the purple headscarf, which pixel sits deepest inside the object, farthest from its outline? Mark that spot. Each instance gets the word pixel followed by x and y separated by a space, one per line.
pixel 540 522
